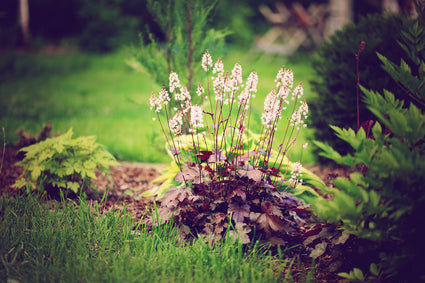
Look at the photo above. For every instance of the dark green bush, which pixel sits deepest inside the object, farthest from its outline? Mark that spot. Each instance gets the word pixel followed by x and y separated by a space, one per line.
pixel 385 201
pixel 335 64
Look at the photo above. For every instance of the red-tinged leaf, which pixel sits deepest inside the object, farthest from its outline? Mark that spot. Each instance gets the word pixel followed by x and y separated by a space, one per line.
pixel 171 198
pixel 275 223
pixel 177 195
pixel 209 169
pixel 191 173
pixel 301 210
pixel 270 209
pixel 220 217
pixel 262 224
pixel 313 231
pixel 238 192
pixel 287 201
pixel 245 166
pixel 242 173
pixel 254 175
pixel 239 212
pixel 204 155
pixel 253 216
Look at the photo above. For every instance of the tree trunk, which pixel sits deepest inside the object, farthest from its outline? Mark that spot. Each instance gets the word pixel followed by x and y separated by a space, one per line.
pixel 340 15
pixel 390 7
pixel 24 18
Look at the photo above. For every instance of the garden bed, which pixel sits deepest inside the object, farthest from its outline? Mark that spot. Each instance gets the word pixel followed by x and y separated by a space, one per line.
pixel 131 179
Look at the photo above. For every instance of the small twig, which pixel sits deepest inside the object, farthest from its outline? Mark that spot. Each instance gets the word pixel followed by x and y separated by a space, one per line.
pixel 4 150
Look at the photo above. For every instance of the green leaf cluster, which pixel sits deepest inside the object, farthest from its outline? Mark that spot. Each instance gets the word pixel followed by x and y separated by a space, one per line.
pixel 411 81
pixel 357 275
pixel 385 201
pixel 372 203
pixel 63 162
pixel 335 65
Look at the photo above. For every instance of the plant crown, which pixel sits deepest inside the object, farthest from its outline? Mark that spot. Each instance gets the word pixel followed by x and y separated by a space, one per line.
pixel 222 171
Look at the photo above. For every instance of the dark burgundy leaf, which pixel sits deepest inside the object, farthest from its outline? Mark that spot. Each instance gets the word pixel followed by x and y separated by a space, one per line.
pixel 268 208
pixel 270 223
pixel 313 231
pixel 204 155
pixel 301 210
pixel 238 192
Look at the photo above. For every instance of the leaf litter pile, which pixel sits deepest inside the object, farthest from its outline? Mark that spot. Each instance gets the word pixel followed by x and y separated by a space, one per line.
pixel 247 210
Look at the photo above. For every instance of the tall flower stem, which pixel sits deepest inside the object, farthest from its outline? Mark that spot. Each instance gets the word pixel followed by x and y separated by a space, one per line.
pixel 361 47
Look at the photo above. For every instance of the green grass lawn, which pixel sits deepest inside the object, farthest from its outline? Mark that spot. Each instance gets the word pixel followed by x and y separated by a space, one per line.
pixel 100 95
pixel 77 243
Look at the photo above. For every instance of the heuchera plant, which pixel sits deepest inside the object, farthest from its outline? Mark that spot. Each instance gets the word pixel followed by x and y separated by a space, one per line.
pixel 63 163
pixel 226 174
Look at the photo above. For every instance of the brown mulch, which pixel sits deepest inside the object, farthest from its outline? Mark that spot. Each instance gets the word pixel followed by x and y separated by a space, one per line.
pixel 129 181
pixel 124 185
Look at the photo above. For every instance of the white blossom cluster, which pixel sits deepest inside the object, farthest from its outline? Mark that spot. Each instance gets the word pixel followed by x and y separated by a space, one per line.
pixel 226 87
pixel 277 101
pixel 298 117
pixel 157 102
pixel 296 174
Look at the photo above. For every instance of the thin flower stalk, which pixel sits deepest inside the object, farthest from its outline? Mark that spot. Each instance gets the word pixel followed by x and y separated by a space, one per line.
pixel 226 126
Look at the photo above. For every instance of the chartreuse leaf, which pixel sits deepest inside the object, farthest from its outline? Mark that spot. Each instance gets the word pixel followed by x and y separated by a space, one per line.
pixel 374 270
pixel 185 143
pixel 36 171
pixel 73 186
pixel 354 275
pixel 167 178
pixel 56 160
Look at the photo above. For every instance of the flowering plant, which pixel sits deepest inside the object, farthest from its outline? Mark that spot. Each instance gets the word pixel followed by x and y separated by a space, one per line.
pixel 215 133
pixel 218 160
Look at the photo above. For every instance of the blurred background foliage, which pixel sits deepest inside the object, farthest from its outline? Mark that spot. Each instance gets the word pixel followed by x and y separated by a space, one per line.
pixel 105 25
pixel 93 90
